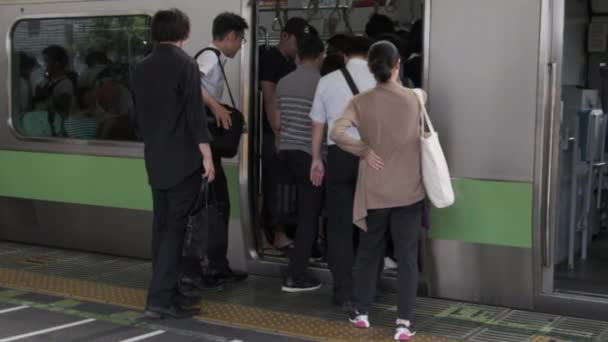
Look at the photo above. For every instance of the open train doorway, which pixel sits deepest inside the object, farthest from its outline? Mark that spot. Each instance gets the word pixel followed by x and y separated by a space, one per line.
pixel 273 209
pixel 581 236
pixel 575 238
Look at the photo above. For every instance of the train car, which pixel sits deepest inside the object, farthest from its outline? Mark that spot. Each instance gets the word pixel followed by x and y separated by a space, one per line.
pixel 515 90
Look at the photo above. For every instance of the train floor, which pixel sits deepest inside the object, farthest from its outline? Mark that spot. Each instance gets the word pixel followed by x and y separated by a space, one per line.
pixel 48 294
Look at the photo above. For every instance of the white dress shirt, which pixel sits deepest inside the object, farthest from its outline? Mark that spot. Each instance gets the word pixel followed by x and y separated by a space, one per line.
pixel 212 80
pixel 333 94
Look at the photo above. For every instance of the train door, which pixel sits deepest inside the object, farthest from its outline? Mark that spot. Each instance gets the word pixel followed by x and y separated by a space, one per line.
pixel 267 238
pixel 486 67
pixel 574 239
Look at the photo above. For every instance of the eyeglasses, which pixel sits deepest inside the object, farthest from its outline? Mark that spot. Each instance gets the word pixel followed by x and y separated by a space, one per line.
pixel 243 39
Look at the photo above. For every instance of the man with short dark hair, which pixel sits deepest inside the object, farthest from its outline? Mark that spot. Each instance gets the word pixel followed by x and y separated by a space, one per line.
pixel 228 37
pixel 336 53
pixel 294 95
pixel 332 96
pixel 172 122
pixel 379 24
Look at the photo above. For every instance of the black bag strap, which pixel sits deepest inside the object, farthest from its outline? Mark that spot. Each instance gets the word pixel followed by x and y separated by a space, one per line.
pixel 202 199
pixel 350 81
pixel 219 61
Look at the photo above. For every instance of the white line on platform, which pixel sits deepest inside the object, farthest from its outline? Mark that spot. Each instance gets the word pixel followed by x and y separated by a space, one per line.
pixel 48 330
pixel 142 337
pixel 3 311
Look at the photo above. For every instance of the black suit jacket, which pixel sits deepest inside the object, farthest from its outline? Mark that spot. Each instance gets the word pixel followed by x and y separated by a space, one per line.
pixel 170 115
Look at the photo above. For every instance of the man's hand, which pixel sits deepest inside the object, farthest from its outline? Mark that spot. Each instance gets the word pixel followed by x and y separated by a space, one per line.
pixel 209 169
pixel 222 115
pixel 317 172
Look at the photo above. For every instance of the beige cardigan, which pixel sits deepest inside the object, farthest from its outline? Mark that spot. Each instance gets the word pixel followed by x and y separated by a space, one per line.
pixel 387 118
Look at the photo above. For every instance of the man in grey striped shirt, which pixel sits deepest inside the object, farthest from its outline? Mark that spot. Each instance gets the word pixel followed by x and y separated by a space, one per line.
pixel 294 97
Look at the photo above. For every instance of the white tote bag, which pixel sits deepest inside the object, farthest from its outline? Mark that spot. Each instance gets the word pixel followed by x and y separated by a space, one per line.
pixel 435 172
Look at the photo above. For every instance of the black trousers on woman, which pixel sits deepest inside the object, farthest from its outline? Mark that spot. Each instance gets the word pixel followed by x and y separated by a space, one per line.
pixel 404 224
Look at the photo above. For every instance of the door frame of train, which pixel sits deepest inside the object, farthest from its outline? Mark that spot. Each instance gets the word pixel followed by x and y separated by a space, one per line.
pixel 546 173
pixel 255 262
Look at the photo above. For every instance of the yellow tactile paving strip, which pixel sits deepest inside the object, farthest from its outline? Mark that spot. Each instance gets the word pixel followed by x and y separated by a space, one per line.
pixel 227 314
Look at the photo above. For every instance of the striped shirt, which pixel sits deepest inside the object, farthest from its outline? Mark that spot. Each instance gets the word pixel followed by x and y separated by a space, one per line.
pixel 294 95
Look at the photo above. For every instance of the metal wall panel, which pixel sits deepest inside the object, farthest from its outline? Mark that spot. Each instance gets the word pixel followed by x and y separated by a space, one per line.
pixel 89 228
pixel 113 231
pixel 482 82
pixel 488 274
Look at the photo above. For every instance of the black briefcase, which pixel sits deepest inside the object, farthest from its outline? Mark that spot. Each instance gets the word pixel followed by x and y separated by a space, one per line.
pixel 202 220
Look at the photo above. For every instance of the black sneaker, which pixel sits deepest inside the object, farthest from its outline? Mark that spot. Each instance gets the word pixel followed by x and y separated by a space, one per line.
pixel 316 255
pixel 303 284
pixel 344 305
pixel 186 302
pixel 173 311
pixel 230 276
pixel 194 287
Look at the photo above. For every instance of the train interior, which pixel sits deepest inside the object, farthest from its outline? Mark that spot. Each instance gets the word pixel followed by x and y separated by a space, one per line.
pixel 329 18
pixel 581 239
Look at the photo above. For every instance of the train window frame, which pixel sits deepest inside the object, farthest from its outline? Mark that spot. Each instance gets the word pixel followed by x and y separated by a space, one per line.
pixel 61 141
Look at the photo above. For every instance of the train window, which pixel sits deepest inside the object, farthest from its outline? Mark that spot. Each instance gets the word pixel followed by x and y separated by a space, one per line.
pixel 71 76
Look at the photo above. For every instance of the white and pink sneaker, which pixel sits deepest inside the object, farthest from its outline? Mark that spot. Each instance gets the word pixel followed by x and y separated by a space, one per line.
pixel 359 321
pixel 404 333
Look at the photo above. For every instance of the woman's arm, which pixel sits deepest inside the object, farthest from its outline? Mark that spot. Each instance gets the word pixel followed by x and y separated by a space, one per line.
pixel 340 136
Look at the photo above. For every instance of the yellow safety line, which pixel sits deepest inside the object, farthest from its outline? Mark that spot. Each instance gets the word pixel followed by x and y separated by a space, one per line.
pixel 225 314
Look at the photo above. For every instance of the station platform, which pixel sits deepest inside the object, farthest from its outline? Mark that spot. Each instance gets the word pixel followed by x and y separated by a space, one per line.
pixel 48 294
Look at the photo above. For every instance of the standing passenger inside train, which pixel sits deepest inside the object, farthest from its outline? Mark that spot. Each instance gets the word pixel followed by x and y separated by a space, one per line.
pixel 171 119
pixel 379 24
pixel 332 96
pixel 335 58
pixel 228 37
pixel 27 64
pixel 57 95
pixel 294 97
pixel 390 192
pixel 413 64
pixel 274 65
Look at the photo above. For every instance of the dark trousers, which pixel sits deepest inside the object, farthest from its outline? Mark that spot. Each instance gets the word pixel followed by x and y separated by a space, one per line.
pixel 218 237
pixel 405 227
pixel 171 209
pixel 342 170
pixel 309 200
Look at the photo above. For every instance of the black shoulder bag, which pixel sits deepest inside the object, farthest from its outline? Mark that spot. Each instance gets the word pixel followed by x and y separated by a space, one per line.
pixel 225 141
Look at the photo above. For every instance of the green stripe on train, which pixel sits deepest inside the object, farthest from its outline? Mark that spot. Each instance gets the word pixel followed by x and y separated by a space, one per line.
pixel 487 212
pixel 90 180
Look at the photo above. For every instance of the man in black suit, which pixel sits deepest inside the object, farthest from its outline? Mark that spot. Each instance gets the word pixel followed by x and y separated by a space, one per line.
pixel 172 122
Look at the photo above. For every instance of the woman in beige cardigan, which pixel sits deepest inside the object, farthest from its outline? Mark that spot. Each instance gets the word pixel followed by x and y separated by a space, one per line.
pixel 389 191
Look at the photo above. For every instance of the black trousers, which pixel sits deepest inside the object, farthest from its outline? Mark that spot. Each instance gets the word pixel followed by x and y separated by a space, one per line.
pixel 171 209
pixel 405 227
pixel 218 237
pixel 342 170
pixel 310 202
